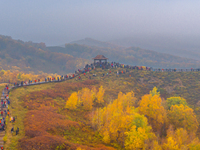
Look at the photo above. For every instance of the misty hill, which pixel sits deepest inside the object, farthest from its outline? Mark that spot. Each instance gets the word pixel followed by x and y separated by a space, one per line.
pixel 175 46
pixel 131 56
pixel 95 43
pixel 26 56
pixel 36 57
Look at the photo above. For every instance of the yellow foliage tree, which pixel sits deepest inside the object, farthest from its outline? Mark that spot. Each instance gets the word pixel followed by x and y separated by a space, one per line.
pixel 115 121
pixel 83 98
pixel 87 99
pixel 175 101
pixel 72 101
pixel 183 117
pixel 179 140
pixel 154 92
pixel 194 145
pixel 127 99
pixel 94 93
pixel 100 95
pixel 156 146
pixel 106 137
pixel 139 135
pixel 136 138
pixel 151 107
pixel 171 144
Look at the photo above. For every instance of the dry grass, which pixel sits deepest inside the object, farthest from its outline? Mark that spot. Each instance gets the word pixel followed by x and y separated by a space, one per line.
pixel 45 123
pixel 43 119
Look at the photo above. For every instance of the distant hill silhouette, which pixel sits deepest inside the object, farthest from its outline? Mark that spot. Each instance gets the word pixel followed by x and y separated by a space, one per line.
pixel 28 56
pixel 36 57
pixel 169 45
pixel 131 56
pixel 95 43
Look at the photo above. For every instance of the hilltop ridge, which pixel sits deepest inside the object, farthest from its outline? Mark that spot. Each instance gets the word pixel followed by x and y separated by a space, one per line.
pixel 131 56
pixel 95 43
pixel 36 57
pixel 28 56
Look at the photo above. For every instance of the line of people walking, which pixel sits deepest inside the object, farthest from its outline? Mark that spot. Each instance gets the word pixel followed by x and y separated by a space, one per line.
pixel 4 112
pixel 90 67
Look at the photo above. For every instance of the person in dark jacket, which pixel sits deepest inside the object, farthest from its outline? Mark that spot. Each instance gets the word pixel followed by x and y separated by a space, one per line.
pixel 12 129
pixel 17 131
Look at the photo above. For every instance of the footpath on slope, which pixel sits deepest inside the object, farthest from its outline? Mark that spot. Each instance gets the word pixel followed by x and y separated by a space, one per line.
pixel 3 110
pixel 108 66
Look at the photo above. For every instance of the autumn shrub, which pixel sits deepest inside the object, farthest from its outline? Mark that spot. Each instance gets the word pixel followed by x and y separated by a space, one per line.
pixel 41 125
pixel 5 139
pixel 176 101
pixel 43 97
pixel 85 98
pixel 140 135
pixel 194 145
pixel 90 82
pixel 180 139
pixel 183 117
pixel 72 101
pixel 47 142
pixel 100 95
pixel 151 107
pixel 43 119
pixel 120 123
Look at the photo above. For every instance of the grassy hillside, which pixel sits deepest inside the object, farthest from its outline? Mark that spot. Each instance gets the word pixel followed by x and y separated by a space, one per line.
pixel 45 122
pixel 131 56
pixel 28 56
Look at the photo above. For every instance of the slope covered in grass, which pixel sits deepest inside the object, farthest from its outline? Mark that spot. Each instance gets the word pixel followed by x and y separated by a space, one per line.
pixel 45 122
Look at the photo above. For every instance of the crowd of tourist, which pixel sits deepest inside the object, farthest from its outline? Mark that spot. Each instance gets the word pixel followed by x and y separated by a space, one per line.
pixel 5 113
pixel 103 65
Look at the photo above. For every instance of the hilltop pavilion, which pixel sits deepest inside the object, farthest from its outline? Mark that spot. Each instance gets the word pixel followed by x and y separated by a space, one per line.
pixel 99 59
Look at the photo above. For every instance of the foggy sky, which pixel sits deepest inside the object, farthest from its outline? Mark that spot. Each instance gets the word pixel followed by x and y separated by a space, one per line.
pixel 56 22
